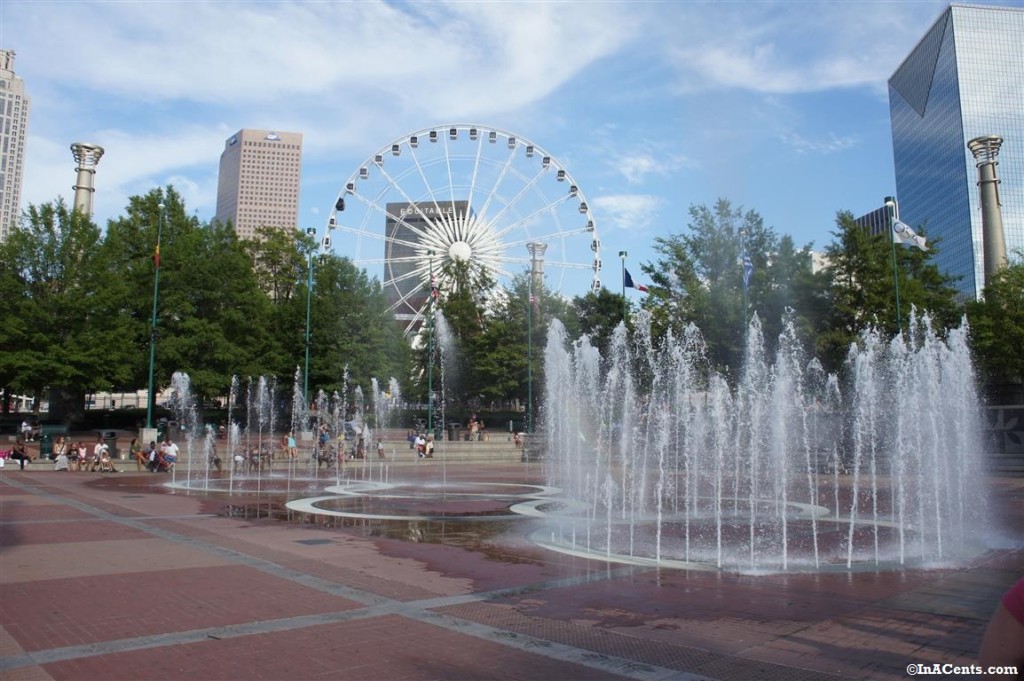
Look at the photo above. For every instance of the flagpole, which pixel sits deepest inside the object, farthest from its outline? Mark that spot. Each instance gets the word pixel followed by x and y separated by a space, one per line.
pixel 890 204
pixel 529 358
pixel 311 232
pixel 622 257
pixel 152 326
pixel 744 256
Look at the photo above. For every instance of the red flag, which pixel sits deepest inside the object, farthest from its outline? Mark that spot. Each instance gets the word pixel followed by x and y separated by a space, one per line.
pixel 434 293
pixel 535 302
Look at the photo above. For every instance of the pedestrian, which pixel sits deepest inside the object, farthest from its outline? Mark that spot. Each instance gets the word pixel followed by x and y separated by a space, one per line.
pixel 169 452
pixel 214 459
pixel 61 463
pixel 99 452
pixel 151 457
pixel 380 449
pixel 20 454
pixel 60 447
pixel 135 452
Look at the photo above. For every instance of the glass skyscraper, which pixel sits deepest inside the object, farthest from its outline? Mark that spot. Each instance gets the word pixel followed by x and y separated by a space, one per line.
pixel 963 80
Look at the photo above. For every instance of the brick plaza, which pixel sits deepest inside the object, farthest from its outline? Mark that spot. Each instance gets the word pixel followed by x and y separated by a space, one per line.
pixel 114 576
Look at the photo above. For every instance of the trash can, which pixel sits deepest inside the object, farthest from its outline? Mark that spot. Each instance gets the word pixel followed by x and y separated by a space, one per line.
pixel 111 443
pixel 45 446
pixel 453 432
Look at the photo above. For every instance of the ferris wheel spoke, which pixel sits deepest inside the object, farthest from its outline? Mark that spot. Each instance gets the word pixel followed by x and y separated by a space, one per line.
pixel 518 197
pixel 376 207
pixel 528 218
pixel 415 275
pixel 430 190
pixel 431 224
pixel 377 236
pixel 476 165
pixel 564 265
pixel 547 238
pixel 497 183
pixel 448 165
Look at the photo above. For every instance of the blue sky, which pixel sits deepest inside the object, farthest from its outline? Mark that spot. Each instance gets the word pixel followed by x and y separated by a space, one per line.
pixel 781 107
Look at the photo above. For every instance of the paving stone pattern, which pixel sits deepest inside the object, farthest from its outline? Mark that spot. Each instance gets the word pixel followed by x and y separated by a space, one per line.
pixel 116 577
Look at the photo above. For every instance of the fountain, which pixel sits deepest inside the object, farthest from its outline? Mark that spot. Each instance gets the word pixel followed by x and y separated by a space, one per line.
pixel 661 461
pixel 253 459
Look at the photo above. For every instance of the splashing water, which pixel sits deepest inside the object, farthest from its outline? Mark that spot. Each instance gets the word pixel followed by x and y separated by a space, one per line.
pixel 660 460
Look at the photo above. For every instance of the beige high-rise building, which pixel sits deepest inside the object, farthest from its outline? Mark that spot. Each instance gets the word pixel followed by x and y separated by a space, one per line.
pixel 258 183
pixel 13 130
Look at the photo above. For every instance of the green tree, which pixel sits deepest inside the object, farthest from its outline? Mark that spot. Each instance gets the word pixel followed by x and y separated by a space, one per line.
pixel 464 307
pixel 351 329
pixel 862 293
pixel 997 329
pixel 598 313
pixel 62 325
pixel 212 317
pixel 279 260
pixel 699 277
pixel 789 283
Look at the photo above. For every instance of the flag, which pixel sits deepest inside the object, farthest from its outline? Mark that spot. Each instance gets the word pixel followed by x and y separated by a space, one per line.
pixel 535 302
pixel 627 281
pixel 434 293
pixel 903 234
pixel 748 269
pixel 156 257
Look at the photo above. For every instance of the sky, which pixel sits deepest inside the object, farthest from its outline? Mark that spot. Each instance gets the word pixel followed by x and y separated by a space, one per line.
pixel 779 107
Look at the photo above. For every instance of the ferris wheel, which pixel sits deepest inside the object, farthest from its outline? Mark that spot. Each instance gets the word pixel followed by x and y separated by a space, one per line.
pixel 457 198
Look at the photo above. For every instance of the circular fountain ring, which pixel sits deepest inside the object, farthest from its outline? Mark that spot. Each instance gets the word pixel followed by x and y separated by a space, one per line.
pixel 382 490
pixel 568 511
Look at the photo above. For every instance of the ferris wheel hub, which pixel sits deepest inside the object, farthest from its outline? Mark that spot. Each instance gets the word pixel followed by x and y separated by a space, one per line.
pixel 460 251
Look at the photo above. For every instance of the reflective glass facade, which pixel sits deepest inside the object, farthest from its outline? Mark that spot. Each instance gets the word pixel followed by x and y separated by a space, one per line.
pixel 963 80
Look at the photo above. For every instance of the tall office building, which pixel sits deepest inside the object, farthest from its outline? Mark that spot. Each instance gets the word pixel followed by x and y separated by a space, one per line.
pixel 963 80
pixel 258 183
pixel 13 128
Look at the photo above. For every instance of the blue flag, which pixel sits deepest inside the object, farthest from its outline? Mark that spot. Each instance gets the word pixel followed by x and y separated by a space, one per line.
pixel 748 269
pixel 627 282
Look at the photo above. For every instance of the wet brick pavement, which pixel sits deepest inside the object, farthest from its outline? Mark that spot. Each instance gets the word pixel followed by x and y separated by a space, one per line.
pixel 116 577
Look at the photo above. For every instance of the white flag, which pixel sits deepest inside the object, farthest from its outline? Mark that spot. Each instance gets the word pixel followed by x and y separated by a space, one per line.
pixel 903 234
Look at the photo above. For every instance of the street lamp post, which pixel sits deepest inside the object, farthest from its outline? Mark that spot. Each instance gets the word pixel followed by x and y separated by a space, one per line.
pixel 536 283
pixel 152 326
pixel 430 346
pixel 622 257
pixel 893 215
pixel 744 257
pixel 311 232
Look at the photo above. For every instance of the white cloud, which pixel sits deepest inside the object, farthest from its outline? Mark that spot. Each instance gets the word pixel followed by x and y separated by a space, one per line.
pixel 457 58
pixel 830 144
pixel 636 166
pixel 156 74
pixel 793 47
pixel 631 212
